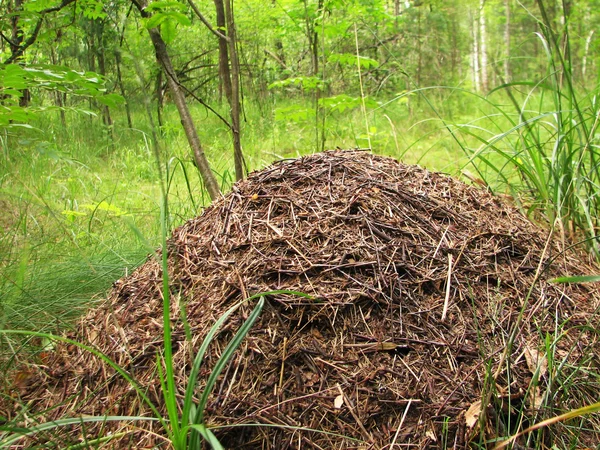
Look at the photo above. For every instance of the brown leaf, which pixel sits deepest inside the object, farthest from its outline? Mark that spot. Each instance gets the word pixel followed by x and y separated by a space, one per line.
pixel 472 414
pixel 536 361
pixel 338 402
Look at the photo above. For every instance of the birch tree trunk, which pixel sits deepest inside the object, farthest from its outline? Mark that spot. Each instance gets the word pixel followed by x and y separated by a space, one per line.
pixel 586 52
pixel 483 47
pixel 475 53
pixel 507 74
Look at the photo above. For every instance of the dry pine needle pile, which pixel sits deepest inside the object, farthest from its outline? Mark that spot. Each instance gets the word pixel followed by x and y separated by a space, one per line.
pixel 417 282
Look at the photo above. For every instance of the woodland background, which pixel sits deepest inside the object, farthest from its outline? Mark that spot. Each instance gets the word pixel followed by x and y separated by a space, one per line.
pixel 94 95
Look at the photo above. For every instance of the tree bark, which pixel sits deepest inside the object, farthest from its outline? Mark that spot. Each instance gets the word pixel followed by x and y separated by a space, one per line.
pixel 101 56
pixel 586 52
pixel 184 113
pixel 483 47
pixel 238 156
pixel 225 74
pixel 507 74
pixel 58 95
pixel 475 53
pixel 160 97
pixel 229 71
pixel 122 87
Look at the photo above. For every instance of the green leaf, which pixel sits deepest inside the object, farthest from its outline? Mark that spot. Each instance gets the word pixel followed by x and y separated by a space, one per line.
pixel 160 5
pixel 21 433
pixel 111 100
pixel 349 59
pixel 156 20
pixel 168 30
pixel 343 102
pixel 294 113
pixel 577 279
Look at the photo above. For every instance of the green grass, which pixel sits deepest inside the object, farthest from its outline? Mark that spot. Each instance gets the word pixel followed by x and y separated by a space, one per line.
pixel 71 196
pixel 82 210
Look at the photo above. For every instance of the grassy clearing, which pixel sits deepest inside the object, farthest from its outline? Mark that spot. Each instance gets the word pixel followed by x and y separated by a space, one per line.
pixel 72 196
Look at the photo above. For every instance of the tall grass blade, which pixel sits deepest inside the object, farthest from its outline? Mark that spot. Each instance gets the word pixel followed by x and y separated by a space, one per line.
pixel 551 421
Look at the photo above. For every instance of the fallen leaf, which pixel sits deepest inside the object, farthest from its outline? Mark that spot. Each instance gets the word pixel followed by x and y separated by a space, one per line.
pixel 338 402
pixel 386 346
pixel 537 399
pixel 431 435
pixel 535 361
pixel 472 414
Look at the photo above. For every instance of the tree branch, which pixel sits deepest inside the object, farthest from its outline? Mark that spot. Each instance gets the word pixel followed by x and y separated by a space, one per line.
pixel 7 40
pixel 36 31
pixel 206 22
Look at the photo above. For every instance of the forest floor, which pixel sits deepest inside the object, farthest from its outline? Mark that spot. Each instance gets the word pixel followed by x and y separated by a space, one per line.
pixel 84 209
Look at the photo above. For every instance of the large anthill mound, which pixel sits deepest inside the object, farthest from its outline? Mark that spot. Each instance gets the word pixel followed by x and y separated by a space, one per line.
pixel 418 282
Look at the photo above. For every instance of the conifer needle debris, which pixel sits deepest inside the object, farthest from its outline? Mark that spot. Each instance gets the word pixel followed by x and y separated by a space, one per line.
pixel 416 280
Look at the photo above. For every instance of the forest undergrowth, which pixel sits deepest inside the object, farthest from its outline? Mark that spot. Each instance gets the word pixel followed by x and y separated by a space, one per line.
pixel 83 205
pixel 81 208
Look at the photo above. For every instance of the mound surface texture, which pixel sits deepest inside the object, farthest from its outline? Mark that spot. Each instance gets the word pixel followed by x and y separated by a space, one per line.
pixel 417 282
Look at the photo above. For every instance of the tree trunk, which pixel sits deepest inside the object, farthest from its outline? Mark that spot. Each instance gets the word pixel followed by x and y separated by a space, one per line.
pixel 224 73
pixel 507 74
pixel 160 97
pixel 16 42
pixel 586 52
pixel 58 96
pixel 184 113
pixel 419 53
pixel 122 87
pixel 483 47
pixel 101 55
pixel 313 43
pixel 238 156
pixel 475 53
pixel 230 77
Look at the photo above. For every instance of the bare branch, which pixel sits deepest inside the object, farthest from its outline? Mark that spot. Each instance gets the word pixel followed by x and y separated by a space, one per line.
pixel 206 22
pixel 7 39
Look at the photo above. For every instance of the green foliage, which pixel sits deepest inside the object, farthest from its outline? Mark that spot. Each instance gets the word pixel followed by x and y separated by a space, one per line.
pixel 348 59
pixel 308 84
pixel 343 102
pixel 91 9
pixel 167 15
pixel 15 79
pixel 545 150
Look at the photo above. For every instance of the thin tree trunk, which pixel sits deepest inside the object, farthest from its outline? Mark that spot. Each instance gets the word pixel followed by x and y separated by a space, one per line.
pixel 160 97
pixel 238 156
pixel 586 52
pixel 184 113
pixel 225 75
pixel 507 74
pixel 16 43
pixel 230 76
pixel 107 119
pixel 313 44
pixel 58 96
pixel 475 53
pixel 483 47
pixel 122 87
pixel 419 52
